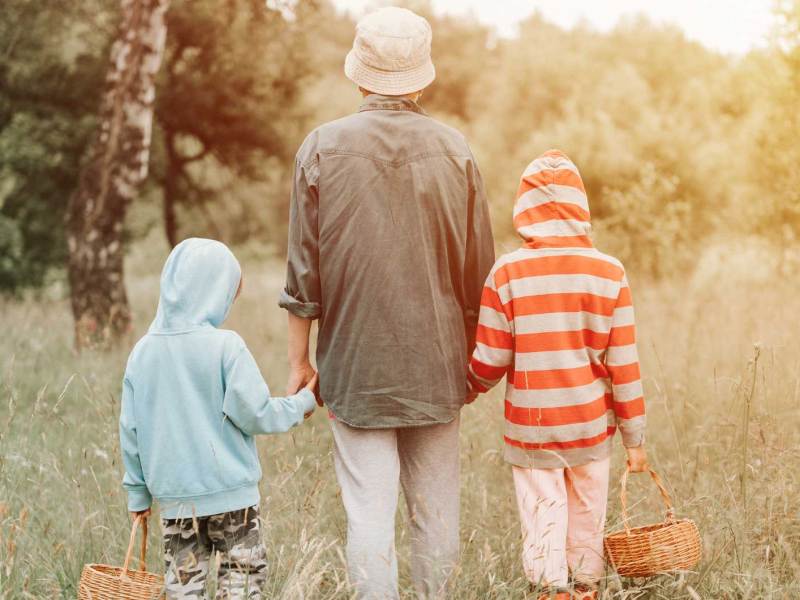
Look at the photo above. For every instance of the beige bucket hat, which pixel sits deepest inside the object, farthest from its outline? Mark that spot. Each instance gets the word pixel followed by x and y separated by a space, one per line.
pixel 391 54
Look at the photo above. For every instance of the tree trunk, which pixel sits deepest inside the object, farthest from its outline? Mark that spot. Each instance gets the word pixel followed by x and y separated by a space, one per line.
pixel 115 168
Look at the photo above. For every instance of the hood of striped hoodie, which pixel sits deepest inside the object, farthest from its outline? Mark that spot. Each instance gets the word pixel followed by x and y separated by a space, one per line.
pixel 551 209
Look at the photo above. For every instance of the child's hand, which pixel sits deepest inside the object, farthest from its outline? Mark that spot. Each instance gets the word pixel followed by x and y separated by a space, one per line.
pixel 472 394
pixel 140 513
pixel 312 383
pixel 637 459
pixel 313 386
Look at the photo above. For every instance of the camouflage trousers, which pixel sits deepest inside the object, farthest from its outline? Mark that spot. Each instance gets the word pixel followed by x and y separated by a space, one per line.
pixel 230 542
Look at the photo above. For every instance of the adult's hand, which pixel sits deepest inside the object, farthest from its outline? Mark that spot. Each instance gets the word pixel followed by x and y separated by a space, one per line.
pixel 300 376
pixel 300 370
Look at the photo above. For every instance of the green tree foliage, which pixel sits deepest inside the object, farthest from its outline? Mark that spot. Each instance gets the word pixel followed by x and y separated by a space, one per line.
pixel 775 155
pixel 641 110
pixel 51 67
pixel 676 143
pixel 228 105
pixel 228 116
pixel 460 49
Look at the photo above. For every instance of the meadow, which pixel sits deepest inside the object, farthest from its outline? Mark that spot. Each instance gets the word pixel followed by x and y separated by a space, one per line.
pixel 721 364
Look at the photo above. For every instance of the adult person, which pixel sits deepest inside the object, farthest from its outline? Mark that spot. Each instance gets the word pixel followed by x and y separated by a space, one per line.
pixel 389 246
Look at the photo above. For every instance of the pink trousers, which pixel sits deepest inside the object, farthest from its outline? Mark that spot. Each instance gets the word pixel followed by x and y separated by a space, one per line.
pixel 563 514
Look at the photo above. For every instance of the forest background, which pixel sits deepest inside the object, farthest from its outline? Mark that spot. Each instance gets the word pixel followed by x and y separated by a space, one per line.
pixel 691 161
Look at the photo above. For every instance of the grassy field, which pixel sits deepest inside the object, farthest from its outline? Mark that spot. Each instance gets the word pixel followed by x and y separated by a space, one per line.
pixel 721 361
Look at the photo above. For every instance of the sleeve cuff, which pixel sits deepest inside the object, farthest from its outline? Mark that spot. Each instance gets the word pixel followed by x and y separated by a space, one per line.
pixel 633 439
pixel 474 385
pixel 139 498
pixel 304 310
pixel 307 400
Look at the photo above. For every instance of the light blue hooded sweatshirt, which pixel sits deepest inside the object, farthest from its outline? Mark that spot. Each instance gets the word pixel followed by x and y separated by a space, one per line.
pixel 193 396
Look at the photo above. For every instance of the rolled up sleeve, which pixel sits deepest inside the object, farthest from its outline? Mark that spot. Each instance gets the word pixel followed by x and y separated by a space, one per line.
pixel 302 296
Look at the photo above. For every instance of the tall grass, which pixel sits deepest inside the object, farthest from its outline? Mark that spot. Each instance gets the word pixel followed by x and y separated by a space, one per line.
pixel 721 361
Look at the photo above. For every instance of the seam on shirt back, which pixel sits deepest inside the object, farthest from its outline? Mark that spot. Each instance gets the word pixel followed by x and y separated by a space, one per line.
pixel 393 163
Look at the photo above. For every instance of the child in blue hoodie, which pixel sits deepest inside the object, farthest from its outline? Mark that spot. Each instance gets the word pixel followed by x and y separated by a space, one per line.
pixel 192 400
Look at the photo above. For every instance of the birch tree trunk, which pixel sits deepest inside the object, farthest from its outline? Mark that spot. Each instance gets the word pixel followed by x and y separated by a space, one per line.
pixel 110 179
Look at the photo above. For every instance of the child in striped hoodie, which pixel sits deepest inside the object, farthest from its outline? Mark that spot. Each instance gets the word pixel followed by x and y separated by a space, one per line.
pixel 557 319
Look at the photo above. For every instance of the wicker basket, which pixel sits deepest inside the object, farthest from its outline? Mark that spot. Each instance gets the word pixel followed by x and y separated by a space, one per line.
pixel 103 582
pixel 673 545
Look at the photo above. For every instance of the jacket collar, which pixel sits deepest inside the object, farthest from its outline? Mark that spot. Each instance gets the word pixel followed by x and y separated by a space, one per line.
pixel 380 102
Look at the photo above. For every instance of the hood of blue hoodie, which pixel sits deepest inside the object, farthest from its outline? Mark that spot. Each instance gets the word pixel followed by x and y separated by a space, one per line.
pixel 198 286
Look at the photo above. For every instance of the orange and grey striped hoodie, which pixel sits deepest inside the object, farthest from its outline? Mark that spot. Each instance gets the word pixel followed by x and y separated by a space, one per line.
pixel 557 319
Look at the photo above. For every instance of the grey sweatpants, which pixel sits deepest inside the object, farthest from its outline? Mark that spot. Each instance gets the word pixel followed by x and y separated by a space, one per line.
pixel 371 465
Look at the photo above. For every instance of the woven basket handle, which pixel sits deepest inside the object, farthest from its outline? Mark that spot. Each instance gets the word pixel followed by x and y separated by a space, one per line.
pixel 623 496
pixel 139 520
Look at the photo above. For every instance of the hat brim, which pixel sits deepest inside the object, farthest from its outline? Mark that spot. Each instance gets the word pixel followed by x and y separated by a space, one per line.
pixel 388 83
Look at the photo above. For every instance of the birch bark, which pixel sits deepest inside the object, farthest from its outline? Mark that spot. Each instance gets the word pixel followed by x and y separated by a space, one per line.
pixel 115 168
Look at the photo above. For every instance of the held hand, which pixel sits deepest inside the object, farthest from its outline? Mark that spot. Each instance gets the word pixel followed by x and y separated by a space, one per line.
pixel 637 459
pixel 299 376
pixel 312 383
pixel 472 394
pixel 140 513
pixel 312 387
